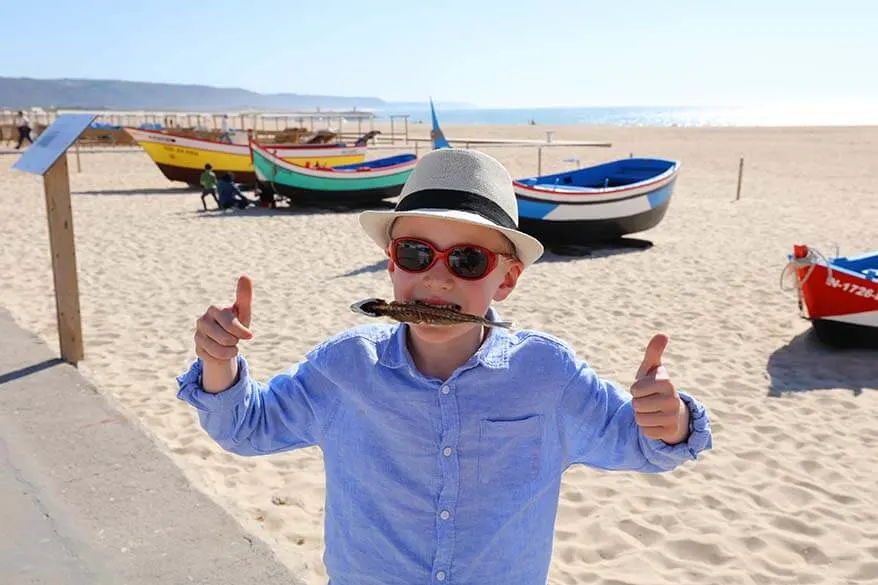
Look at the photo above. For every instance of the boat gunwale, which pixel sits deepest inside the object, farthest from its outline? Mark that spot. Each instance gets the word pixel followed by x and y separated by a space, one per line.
pixel 330 173
pixel 284 147
pixel 554 197
pixel 653 183
pixel 842 269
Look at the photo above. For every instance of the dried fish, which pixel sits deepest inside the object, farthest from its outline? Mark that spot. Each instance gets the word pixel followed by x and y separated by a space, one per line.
pixel 419 312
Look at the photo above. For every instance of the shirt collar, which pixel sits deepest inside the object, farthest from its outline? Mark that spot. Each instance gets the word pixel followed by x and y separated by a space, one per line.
pixel 493 353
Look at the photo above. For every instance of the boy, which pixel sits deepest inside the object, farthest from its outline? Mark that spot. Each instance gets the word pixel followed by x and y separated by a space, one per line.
pixel 208 185
pixel 443 445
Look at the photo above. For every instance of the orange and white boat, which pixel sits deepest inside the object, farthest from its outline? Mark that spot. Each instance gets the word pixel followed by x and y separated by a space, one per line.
pixel 838 295
pixel 182 158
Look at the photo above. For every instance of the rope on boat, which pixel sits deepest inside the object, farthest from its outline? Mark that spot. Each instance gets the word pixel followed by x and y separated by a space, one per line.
pixel 810 259
pixel 273 177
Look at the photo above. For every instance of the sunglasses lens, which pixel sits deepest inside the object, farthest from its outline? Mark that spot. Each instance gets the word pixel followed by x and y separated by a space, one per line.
pixel 413 256
pixel 468 262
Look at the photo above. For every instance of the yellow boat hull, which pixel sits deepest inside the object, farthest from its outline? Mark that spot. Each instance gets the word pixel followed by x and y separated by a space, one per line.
pixel 181 158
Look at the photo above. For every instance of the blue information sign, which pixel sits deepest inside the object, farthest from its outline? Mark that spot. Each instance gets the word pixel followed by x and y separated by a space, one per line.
pixel 53 142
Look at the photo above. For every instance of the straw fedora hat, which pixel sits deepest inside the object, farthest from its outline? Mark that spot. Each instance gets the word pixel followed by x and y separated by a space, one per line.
pixel 461 185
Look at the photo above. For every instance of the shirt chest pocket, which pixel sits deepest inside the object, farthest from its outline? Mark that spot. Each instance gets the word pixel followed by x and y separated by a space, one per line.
pixel 509 451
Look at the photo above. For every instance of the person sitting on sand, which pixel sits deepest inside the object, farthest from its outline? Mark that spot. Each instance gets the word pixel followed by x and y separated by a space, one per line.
pixel 208 185
pixel 229 193
pixel 444 446
pixel 265 197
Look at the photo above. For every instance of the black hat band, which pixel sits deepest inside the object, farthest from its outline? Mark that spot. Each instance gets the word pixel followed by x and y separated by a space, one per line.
pixel 454 200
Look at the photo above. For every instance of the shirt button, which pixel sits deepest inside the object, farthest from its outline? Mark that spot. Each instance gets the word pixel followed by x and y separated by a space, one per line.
pixel 440 575
pixel 445 515
pixel 447 451
pixel 445 389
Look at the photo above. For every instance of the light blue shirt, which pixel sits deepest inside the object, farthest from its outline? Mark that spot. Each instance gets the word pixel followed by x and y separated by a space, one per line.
pixel 436 482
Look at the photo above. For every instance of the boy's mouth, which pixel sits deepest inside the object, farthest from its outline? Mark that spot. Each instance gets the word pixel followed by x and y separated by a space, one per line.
pixel 438 303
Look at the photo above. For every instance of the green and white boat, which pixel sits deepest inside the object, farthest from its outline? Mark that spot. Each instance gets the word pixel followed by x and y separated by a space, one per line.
pixel 358 183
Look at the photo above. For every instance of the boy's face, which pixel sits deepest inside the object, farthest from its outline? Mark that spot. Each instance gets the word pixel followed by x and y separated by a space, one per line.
pixel 439 285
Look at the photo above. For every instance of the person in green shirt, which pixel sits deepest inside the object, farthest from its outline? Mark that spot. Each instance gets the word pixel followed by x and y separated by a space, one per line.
pixel 208 185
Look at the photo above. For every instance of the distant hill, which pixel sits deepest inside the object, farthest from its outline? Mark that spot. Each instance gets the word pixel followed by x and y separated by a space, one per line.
pixel 18 92
pixel 425 106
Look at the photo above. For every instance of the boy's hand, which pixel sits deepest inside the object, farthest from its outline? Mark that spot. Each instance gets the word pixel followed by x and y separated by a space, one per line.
pixel 218 331
pixel 658 409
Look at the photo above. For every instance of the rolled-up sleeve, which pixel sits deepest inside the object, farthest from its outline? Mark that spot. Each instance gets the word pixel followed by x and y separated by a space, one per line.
pixel 251 418
pixel 598 429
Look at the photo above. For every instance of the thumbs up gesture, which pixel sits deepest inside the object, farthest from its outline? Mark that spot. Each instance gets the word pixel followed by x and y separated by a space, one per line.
pixel 658 409
pixel 217 333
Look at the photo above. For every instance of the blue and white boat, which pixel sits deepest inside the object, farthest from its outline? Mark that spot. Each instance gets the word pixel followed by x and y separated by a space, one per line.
pixel 595 204
pixel 598 203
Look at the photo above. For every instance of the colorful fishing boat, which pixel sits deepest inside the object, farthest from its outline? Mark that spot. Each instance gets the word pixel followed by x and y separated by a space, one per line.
pixel 599 203
pixel 356 183
pixel 182 158
pixel 838 295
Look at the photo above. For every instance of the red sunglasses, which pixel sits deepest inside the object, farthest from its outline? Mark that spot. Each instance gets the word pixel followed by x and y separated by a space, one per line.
pixel 466 261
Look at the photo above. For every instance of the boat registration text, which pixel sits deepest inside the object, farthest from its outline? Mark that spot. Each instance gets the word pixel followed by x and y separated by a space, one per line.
pixel 856 289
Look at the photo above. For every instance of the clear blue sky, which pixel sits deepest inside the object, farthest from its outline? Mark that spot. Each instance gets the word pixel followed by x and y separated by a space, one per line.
pixel 489 53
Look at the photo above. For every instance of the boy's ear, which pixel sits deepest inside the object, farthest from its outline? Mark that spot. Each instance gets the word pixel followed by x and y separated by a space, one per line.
pixel 510 279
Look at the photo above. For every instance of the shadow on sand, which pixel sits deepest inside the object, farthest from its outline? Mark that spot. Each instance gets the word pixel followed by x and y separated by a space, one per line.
pixel 379 266
pixel 289 211
pixel 807 364
pixel 565 253
pixel 32 369
pixel 141 191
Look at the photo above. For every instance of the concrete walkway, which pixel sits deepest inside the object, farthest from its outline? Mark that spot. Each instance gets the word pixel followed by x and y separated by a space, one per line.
pixel 87 499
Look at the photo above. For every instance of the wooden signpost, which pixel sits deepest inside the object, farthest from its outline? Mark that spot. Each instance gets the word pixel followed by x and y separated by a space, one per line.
pixel 47 157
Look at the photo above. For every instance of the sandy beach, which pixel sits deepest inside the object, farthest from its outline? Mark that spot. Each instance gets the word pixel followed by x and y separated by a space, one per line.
pixel 788 493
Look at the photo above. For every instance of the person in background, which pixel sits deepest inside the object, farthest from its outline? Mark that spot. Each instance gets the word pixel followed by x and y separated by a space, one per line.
pixel 225 136
pixel 265 196
pixel 229 193
pixel 208 185
pixel 23 126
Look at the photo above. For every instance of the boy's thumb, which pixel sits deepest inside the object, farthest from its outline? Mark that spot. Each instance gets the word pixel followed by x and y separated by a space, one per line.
pixel 244 300
pixel 652 358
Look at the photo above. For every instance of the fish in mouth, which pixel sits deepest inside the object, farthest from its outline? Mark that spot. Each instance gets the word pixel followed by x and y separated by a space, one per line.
pixel 420 312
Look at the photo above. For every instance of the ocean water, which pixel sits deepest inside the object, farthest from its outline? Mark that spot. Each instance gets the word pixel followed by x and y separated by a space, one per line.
pixel 825 114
